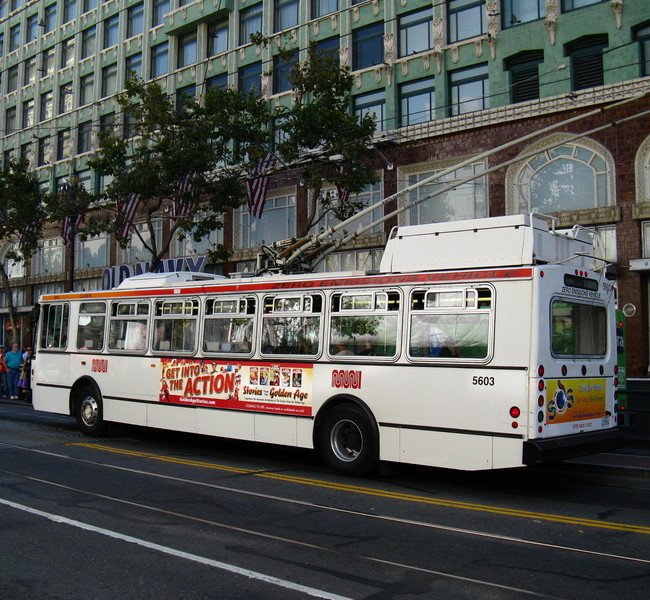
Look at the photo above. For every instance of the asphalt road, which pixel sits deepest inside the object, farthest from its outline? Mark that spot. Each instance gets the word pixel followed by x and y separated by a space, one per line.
pixel 148 514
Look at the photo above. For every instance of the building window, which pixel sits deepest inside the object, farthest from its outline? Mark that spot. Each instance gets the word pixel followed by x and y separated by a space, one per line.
pixel 130 126
pixel 415 31
pixel 643 36
pixel 31 28
pixel 217 38
pixel 86 87
pixel 134 20
pixel 367 46
pixel 88 42
pixel 49 17
pixel 187 246
pixel 84 131
pixel 159 10
pixel 522 11
pixel 351 260
pixel 111 31
pixel 467 19
pixel 2 43
pixel 10 122
pixel 250 22
pixel 109 80
pixel 282 69
pixel 93 252
pixel 250 79
pixel 136 251
pixel 417 101
pixel 218 81
pixel 328 47
pixel 12 79
pixel 568 5
pixel 63 144
pixel 49 257
pixel 67 52
pixel 44 151
pixel 470 90
pixel 467 201
pixel 323 7
pixel 371 195
pixel 133 66
pixel 69 10
pixel 65 98
pixel 30 71
pixel 524 75
pixel 185 96
pixel 159 60
pixel 28 113
pixel 286 14
pixel 46 106
pixel 47 62
pixel 277 223
pixel 374 104
pixel 14 37
pixel 586 56
pixel 27 153
pixel 187 50
pixel 89 5
pixel 107 124
pixel 569 177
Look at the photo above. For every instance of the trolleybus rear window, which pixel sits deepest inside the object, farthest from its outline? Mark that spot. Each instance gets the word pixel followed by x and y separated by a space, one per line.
pixel 578 329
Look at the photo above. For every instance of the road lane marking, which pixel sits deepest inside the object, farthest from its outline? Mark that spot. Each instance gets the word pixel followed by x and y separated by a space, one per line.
pixel 343 487
pixel 313 592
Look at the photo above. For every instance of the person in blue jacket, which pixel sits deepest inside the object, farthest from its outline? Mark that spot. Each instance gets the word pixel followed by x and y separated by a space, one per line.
pixel 13 360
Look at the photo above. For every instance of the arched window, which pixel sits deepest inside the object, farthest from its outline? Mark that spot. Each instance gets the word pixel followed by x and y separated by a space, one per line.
pixel 573 176
pixel 642 172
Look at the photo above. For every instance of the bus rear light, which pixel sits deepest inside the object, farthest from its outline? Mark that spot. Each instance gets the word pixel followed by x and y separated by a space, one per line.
pixel 540 416
pixel 615 369
pixel 601 370
pixel 515 412
pixel 615 395
pixel 615 381
pixel 616 408
pixel 584 370
pixel 515 424
pixel 540 429
pixel 540 401
pixel 564 370
pixel 540 385
pixel 540 371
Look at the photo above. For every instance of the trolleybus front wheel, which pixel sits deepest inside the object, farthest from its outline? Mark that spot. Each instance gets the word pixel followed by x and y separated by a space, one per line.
pixel 347 441
pixel 89 412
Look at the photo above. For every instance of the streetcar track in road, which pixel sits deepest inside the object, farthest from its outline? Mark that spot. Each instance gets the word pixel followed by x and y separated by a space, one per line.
pixel 385 518
pixel 343 487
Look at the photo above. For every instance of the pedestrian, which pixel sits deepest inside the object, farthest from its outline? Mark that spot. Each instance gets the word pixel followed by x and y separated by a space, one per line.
pixel 13 359
pixel 3 373
pixel 24 381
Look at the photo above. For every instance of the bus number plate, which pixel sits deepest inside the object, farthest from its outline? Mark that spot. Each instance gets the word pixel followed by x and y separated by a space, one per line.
pixel 482 380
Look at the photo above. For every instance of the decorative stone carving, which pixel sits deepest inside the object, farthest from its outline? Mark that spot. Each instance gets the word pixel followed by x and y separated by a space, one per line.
pixel 344 56
pixel 316 28
pixel 437 56
pixel 375 7
pixel 378 71
pixel 493 26
pixel 438 35
pixel 266 85
pixel 334 21
pixel 357 80
pixel 617 7
pixel 224 61
pixel 478 48
pixel 405 68
pixel 242 54
pixel 454 54
pixel 550 20
pixel 356 14
pixel 389 48
pixel 426 62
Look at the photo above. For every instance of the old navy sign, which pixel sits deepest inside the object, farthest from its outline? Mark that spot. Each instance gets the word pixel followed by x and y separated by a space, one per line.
pixel 113 276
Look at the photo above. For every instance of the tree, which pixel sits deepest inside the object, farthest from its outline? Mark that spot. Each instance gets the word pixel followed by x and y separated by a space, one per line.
pixel 185 163
pixel 22 216
pixel 328 144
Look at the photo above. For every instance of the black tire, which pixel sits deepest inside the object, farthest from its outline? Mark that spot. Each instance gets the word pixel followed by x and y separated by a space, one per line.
pixel 347 441
pixel 89 412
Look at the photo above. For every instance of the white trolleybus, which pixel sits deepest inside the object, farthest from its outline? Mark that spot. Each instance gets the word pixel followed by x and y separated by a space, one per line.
pixel 483 344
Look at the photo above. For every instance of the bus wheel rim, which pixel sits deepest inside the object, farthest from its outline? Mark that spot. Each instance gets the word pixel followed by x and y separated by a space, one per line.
pixel 346 440
pixel 89 411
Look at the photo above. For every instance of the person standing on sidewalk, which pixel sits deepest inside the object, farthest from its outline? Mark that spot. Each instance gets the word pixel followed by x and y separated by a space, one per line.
pixel 3 373
pixel 13 360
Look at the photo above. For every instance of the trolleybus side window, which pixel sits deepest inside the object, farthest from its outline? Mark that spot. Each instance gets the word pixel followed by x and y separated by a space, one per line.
pixel 91 325
pixel 175 325
pixel 451 324
pixel 229 324
pixel 578 329
pixel 364 324
pixel 54 332
pixel 291 324
pixel 128 327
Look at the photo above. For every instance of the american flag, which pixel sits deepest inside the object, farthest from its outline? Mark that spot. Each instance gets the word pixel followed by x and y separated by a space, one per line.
pixel 257 185
pixel 129 210
pixel 69 226
pixel 180 205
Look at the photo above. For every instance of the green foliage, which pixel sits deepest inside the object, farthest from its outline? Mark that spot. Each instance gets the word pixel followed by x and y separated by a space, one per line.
pixel 320 126
pixel 208 143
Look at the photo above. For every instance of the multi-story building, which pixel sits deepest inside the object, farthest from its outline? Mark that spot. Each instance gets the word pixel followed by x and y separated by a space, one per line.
pixel 446 80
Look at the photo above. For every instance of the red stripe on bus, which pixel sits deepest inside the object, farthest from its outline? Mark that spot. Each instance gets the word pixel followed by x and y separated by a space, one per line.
pixel 346 282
